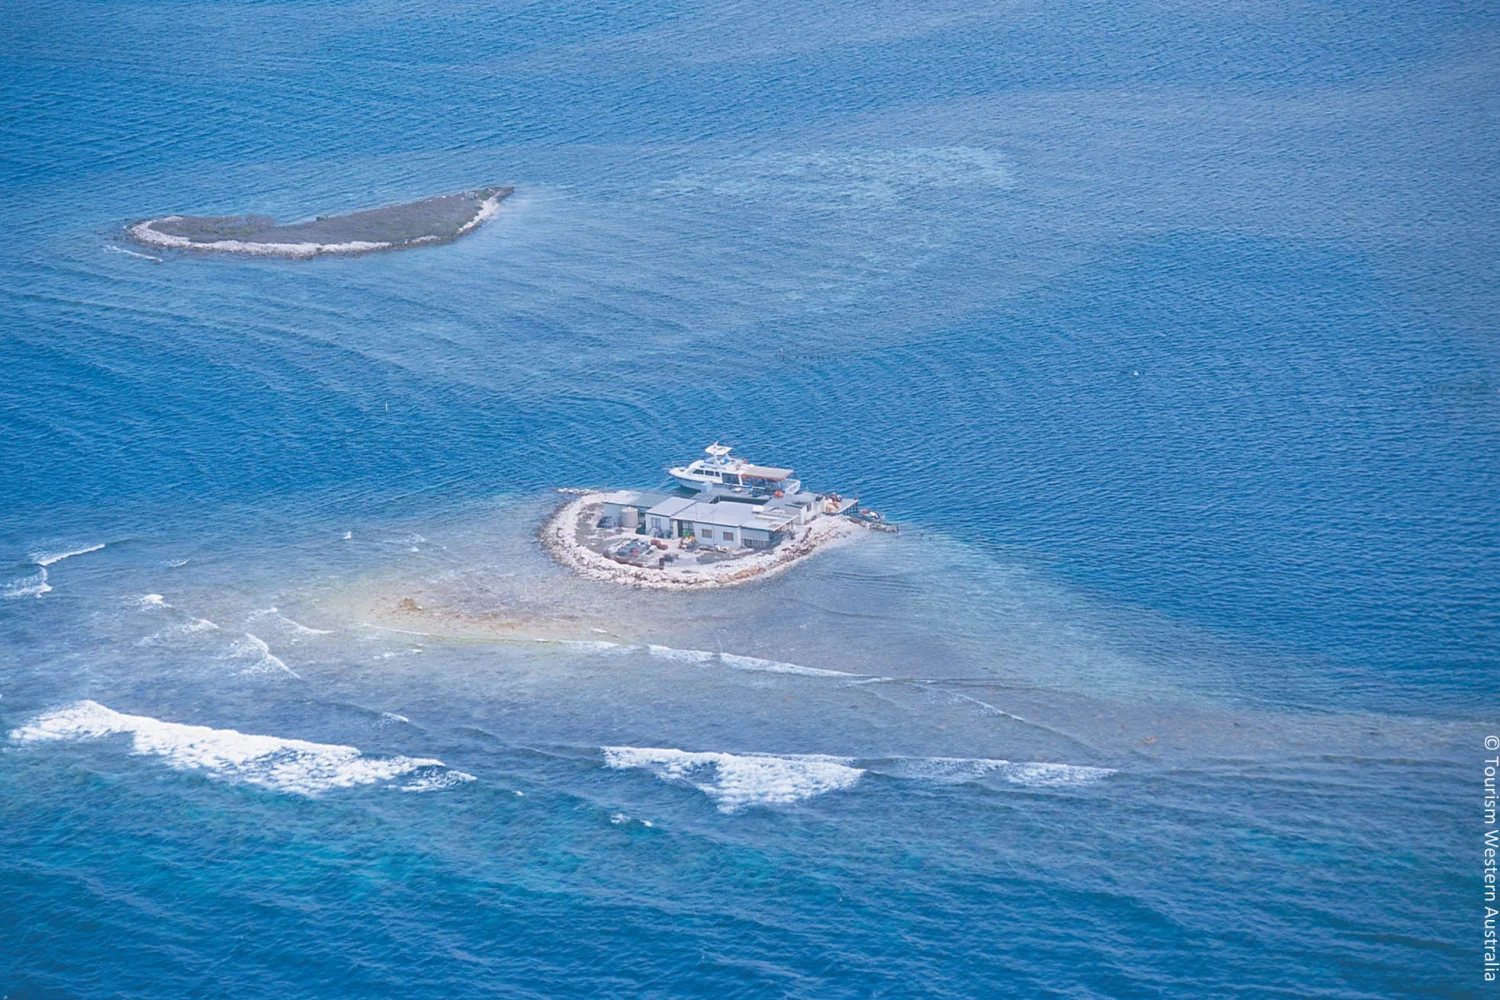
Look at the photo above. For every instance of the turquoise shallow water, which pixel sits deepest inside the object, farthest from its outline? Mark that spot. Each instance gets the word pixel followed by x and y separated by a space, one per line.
pixel 1165 332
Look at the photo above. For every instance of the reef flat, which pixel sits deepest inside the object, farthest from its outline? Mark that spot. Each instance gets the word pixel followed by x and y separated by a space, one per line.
pixel 418 223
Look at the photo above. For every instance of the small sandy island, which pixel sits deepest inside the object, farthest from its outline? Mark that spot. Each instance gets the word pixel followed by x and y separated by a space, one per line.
pixel 417 223
pixel 571 536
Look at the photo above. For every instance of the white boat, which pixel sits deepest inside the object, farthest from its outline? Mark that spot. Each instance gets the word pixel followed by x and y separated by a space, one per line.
pixel 734 474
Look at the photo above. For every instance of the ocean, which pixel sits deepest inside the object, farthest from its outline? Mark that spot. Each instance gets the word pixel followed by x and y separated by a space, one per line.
pixel 1165 333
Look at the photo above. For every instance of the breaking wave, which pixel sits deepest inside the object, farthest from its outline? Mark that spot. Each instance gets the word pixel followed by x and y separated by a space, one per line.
pixel 739 662
pixel 672 654
pixel 263 661
pixel 284 765
pixel 48 558
pixel 188 626
pixel 435 779
pixel 737 781
pixel 130 253
pixel 295 626
pixel 34 585
pixel 958 770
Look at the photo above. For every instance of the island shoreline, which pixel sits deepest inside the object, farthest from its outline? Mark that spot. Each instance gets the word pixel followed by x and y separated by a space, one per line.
pixel 558 536
pixel 146 233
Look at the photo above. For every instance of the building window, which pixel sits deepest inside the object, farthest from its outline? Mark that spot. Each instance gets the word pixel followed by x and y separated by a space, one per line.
pixel 728 536
pixel 707 533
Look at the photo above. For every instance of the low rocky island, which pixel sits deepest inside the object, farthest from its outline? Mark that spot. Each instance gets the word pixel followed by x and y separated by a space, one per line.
pixel 592 544
pixel 729 522
pixel 418 223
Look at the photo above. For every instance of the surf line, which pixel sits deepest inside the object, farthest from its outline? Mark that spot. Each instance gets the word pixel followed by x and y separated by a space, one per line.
pixel 111 248
pixel 48 558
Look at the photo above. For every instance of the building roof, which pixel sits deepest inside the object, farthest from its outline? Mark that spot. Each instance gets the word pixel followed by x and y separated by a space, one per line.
pixel 633 498
pixel 734 515
pixel 671 506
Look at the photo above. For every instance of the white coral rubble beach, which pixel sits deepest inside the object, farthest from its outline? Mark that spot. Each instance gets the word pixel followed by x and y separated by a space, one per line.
pixel 560 538
pixel 142 231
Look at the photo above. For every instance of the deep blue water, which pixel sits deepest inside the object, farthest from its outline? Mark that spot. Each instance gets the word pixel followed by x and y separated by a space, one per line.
pixel 1165 331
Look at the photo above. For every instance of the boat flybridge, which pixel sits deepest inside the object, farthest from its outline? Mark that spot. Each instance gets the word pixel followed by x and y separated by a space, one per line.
pixel 734 475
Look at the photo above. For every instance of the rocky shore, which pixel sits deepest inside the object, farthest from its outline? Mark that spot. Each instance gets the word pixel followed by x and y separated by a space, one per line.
pixel 564 536
pixel 418 223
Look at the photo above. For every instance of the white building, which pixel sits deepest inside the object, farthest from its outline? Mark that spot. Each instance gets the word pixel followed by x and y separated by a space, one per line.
pixel 755 526
pixel 613 505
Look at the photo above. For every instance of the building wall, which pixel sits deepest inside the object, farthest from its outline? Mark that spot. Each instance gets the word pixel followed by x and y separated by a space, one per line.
pixel 755 538
pixel 758 538
pixel 615 509
pixel 714 534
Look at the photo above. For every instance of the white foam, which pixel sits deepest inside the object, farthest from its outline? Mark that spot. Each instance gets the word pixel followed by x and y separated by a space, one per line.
pixel 150 602
pixel 680 655
pixel 987 708
pixel 254 648
pixel 48 558
pixel 188 627
pixel 487 208
pixel 34 585
pixel 296 626
pixel 302 629
pixel 738 781
pixel 144 256
pixel 393 717
pixel 778 666
pixel 347 535
pixel 297 766
pixel 435 779
pixel 738 662
pixel 176 563
pixel 591 645
pixel 402 631
pixel 672 654
pixel 194 625
pixel 957 770
pixel 1039 775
